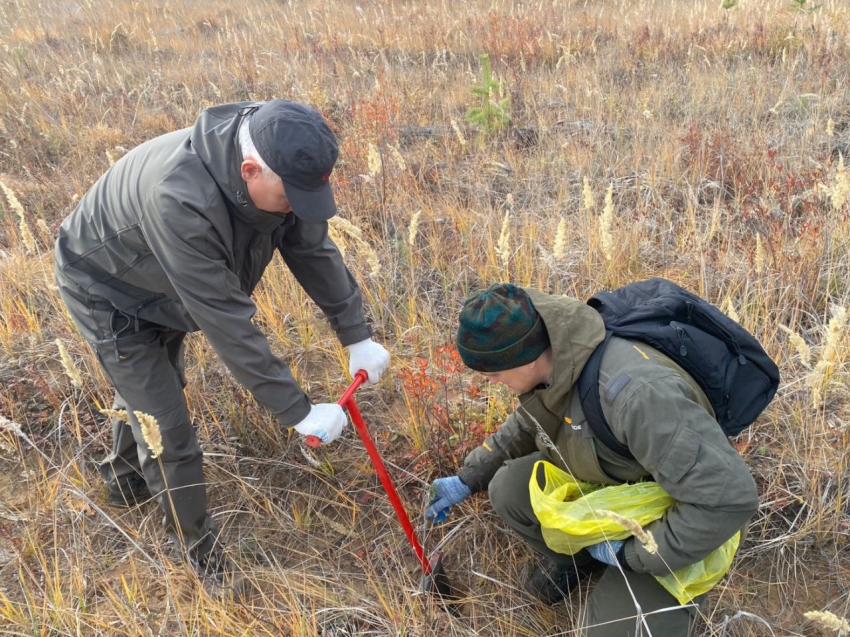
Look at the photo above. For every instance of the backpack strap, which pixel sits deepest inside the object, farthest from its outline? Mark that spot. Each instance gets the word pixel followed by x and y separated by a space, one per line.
pixel 591 403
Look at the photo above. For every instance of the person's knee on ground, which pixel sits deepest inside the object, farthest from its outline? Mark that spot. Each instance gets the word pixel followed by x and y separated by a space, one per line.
pixel 555 574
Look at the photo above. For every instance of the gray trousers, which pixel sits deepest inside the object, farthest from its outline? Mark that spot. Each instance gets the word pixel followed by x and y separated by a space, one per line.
pixel 144 362
pixel 610 608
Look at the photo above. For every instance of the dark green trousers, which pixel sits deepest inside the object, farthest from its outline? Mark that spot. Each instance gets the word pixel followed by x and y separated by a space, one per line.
pixel 611 607
pixel 144 362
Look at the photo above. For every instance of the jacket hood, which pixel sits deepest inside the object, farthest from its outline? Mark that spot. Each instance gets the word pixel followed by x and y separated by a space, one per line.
pixel 215 139
pixel 575 330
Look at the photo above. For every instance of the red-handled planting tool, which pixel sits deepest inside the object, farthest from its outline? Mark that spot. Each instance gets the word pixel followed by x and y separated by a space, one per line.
pixel 434 578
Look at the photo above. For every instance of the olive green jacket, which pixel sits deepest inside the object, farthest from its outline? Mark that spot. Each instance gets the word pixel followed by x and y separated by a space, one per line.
pixel 654 408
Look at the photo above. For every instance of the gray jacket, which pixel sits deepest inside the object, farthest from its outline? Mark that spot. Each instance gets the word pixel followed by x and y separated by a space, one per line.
pixel 169 235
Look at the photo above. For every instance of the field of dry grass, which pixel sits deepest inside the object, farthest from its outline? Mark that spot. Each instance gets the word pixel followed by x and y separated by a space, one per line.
pixel 681 139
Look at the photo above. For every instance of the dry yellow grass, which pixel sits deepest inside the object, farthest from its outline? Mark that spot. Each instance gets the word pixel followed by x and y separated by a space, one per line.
pixel 643 536
pixel 719 139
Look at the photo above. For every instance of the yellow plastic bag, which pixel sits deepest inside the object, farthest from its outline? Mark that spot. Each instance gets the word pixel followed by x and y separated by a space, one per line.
pixel 567 509
pixel 699 578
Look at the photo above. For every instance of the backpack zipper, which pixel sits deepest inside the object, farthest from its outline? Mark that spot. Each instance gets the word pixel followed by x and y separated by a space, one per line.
pixel 683 351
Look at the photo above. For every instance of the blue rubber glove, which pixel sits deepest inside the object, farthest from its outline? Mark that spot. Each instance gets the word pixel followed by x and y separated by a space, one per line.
pixel 606 551
pixel 445 492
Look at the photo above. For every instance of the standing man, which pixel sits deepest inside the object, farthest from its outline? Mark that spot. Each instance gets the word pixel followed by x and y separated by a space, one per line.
pixel 173 239
pixel 537 345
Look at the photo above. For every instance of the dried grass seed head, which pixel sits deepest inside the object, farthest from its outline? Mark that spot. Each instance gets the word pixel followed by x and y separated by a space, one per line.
pixel 150 432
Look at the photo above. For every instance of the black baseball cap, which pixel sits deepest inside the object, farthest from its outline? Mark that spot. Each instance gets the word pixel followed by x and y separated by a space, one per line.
pixel 299 146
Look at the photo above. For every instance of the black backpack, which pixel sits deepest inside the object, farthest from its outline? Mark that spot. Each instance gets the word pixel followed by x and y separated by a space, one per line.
pixel 727 362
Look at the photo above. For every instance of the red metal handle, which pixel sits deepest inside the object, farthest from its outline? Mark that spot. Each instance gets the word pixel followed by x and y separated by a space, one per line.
pixel 359 378
pixel 378 463
pixel 346 401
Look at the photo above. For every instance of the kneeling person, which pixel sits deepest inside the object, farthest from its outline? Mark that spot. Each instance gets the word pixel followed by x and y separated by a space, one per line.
pixel 537 344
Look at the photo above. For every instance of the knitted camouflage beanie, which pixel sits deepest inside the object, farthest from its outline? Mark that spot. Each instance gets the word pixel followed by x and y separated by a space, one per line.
pixel 500 329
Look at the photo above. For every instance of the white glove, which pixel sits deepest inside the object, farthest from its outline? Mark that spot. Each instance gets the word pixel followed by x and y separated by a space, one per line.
pixel 325 421
pixel 369 356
